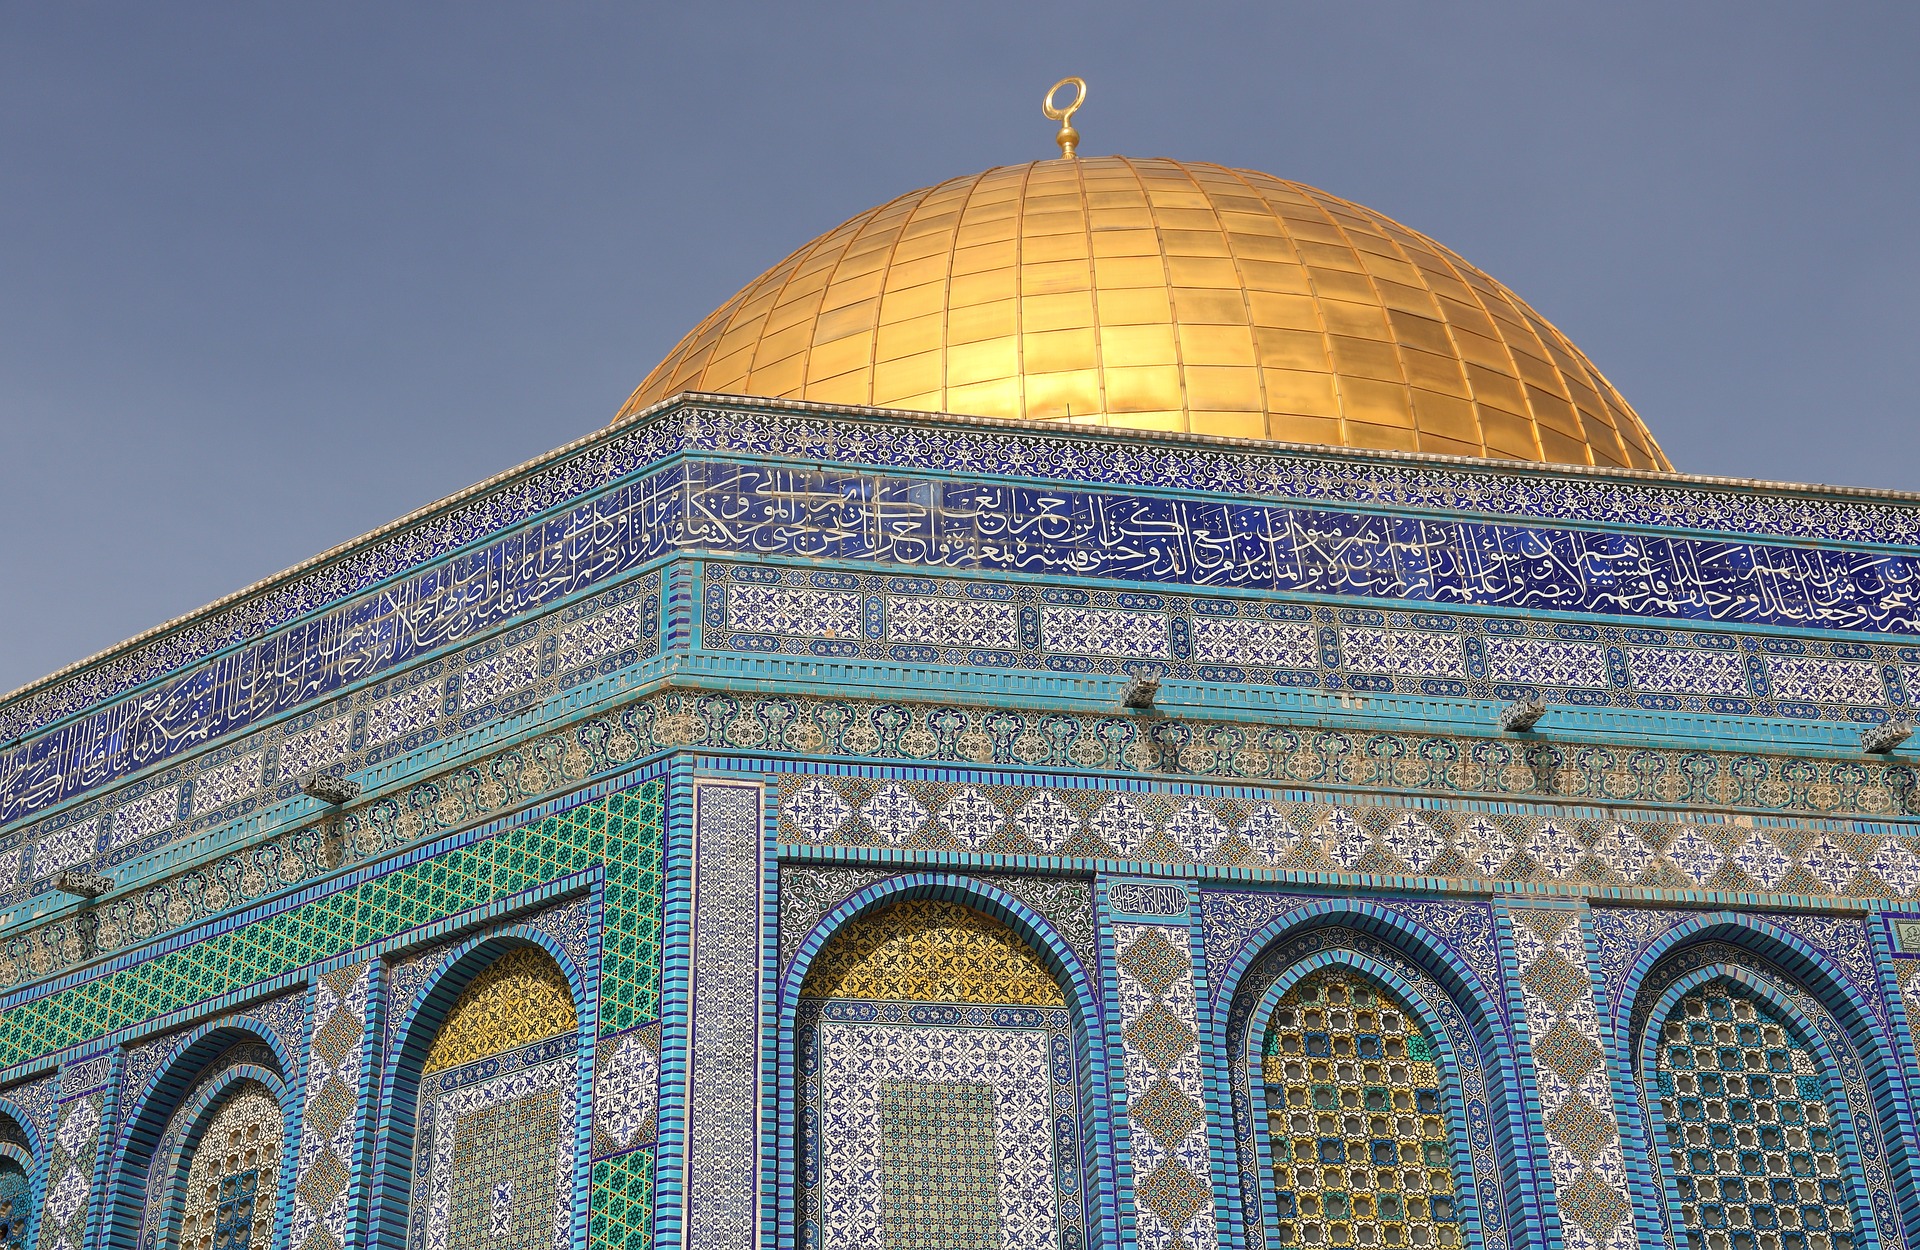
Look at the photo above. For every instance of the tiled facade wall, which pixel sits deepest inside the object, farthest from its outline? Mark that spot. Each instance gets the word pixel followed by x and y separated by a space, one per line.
pixel 573 731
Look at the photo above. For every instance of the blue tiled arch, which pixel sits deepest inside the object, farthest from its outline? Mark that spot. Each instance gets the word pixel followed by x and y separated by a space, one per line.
pixel 1646 1060
pixel 1080 990
pixel 157 1105
pixel 1814 972
pixel 30 1158
pixel 1427 951
pixel 401 1074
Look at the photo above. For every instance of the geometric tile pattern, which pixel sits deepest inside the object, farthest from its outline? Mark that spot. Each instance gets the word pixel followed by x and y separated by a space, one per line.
pixel 255 1124
pixel 323 1176
pixel 520 997
pixel 1166 1092
pixel 996 1086
pixel 940 1166
pixel 755 609
pixel 808 893
pixel 1584 1155
pixel 1754 1153
pixel 925 950
pixel 1886 865
pixel 1689 852
pixel 1359 1134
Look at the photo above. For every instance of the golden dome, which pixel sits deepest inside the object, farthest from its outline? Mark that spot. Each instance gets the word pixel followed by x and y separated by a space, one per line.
pixel 1161 295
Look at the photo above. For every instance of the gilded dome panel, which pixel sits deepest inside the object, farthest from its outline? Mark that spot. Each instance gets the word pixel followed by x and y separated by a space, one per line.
pixel 1161 295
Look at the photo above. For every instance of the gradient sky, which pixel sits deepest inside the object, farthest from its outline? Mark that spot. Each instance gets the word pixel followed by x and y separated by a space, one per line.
pixel 274 274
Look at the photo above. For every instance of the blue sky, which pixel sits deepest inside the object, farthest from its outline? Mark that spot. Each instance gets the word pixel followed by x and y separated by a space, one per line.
pixel 274 274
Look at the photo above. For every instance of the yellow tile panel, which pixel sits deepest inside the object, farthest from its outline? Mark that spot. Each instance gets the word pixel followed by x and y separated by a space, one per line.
pixel 1161 295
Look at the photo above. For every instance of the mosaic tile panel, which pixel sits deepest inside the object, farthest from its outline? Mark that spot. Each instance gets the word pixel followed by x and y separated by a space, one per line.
pixel 499 677
pixel 939 1166
pixel 467 796
pixel 1575 1089
pixel 1754 1155
pixel 1048 628
pixel 622 1211
pixel 724 1071
pixel 626 1091
pixel 925 950
pixel 324 1170
pixel 622 831
pixel 1480 1212
pixel 494 1161
pixel 1357 1125
pixel 36 1102
pixel 76 1141
pixel 1358 480
pixel 1166 1088
pixel 1012 1066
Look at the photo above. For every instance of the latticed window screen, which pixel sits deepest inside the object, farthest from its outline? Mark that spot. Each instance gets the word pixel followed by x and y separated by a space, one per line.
pixel 1357 1119
pixel 1752 1144
pixel 230 1182
pixel 13 1205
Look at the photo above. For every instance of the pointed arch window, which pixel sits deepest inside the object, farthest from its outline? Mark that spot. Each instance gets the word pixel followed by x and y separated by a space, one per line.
pixel 233 1173
pixel 939 1088
pixel 493 1154
pixel 1756 1156
pixel 1358 1126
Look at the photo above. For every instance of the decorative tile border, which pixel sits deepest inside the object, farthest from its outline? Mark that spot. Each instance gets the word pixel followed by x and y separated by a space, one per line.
pixel 988 624
pixel 269 665
pixel 1294 833
pixel 1576 1096
pixel 497 678
pixel 723 1074
pixel 813 434
pixel 1776 855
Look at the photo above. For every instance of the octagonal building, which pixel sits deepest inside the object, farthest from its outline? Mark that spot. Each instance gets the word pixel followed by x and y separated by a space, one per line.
pixel 1105 704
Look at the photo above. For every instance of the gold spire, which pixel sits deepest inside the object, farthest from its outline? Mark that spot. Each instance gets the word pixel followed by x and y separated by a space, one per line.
pixel 1068 138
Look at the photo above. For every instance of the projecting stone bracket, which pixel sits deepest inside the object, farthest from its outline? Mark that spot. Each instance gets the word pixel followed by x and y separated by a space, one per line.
pixel 84 884
pixel 330 788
